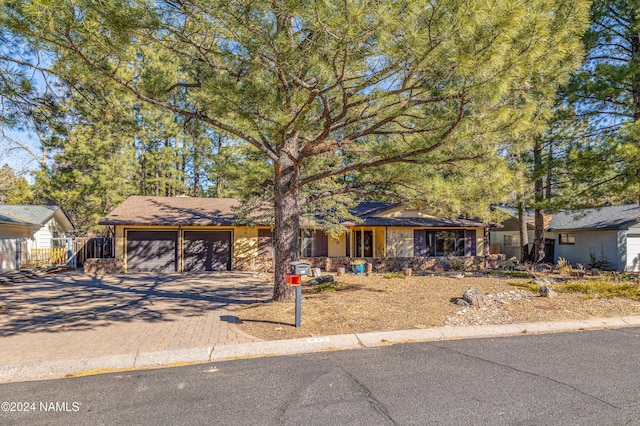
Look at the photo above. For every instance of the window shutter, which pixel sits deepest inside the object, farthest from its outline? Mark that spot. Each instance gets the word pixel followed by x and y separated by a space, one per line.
pixel 470 242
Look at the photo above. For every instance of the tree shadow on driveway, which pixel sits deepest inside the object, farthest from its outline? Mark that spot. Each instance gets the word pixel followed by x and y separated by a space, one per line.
pixel 74 301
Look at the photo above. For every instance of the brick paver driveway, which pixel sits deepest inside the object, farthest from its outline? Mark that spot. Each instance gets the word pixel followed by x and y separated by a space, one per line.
pixel 72 315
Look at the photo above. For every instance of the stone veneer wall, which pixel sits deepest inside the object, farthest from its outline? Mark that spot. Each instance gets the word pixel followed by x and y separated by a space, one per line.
pixel 380 264
pixel 328 264
pixel 97 266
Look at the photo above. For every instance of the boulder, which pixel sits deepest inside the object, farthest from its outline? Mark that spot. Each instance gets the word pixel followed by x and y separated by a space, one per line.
pixel 545 291
pixel 473 296
pixel 462 302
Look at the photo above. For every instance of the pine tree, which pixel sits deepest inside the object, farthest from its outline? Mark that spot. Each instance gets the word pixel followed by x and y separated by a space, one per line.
pixel 354 84
pixel 14 189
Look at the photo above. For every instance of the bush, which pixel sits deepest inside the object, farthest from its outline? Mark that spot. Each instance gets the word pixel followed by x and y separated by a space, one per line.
pixel 564 267
pixel 457 264
pixel 605 289
pixel 393 275
pixel 329 286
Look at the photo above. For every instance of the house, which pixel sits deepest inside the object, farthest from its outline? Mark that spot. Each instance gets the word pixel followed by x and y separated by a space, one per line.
pixel 169 234
pixel 37 227
pixel 608 235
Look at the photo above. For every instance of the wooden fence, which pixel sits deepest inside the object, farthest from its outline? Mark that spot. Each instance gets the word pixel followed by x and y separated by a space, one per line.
pixel 46 256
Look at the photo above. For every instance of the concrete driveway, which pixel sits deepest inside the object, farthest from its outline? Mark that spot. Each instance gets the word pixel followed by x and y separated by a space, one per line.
pixel 70 315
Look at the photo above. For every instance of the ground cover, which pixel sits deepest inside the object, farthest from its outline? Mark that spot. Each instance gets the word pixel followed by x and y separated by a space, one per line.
pixel 356 304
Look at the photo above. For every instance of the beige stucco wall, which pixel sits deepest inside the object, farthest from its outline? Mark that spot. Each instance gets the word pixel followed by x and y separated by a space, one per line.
pixel 337 248
pixel 479 242
pixel 245 242
pixel 399 242
pixel 380 242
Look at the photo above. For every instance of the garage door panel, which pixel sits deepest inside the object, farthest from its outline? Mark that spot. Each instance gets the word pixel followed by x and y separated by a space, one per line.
pixel 633 253
pixel 207 251
pixel 152 251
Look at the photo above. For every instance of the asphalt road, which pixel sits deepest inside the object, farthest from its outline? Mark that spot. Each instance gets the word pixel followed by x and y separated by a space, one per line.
pixel 583 378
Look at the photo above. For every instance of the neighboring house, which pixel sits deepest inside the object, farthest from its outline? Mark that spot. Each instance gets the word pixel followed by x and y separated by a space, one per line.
pixel 608 234
pixel 37 226
pixel 168 234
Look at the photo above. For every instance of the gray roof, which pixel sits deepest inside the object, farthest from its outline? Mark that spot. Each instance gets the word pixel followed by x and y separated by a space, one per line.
pixel 176 211
pixel 366 209
pixel 436 222
pixel 612 218
pixel 30 215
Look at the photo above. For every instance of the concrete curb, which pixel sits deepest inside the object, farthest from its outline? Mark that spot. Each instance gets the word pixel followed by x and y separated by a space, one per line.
pixel 172 357
pixel 56 369
pixel 285 347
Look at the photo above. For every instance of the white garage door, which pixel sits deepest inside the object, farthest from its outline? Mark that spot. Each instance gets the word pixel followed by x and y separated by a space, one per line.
pixel 633 252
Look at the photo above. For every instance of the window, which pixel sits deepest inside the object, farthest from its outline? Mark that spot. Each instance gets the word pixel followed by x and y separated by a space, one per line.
pixel 450 243
pixel 308 243
pixel 512 240
pixel 567 239
pixel 313 243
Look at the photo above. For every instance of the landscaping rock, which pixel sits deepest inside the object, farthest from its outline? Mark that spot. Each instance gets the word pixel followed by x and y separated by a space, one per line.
pixel 473 296
pixel 545 291
pixel 462 302
pixel 321 279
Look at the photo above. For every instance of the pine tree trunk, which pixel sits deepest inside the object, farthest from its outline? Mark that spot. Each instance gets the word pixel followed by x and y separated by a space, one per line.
pixel 538 241
pixel 524 232
pixel 287 227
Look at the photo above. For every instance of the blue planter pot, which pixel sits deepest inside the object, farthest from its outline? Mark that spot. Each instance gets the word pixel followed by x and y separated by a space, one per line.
pixel 358 269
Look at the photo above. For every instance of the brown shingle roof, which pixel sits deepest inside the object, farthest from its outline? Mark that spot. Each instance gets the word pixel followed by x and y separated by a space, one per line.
pixel 173 211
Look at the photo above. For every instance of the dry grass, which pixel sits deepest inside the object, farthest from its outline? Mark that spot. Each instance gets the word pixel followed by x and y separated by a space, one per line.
pixel 361 304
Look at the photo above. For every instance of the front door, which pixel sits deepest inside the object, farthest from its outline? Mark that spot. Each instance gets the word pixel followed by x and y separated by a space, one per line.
pixel 363 244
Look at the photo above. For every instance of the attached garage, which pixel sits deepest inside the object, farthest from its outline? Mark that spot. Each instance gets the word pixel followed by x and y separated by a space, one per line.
pixel 207 251
pixel 152 251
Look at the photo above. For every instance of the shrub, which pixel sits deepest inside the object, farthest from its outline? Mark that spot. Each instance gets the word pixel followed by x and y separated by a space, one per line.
pixel 457 264
pixel 564 267
pixel 508 265
pixel 605 289
pixel 393 275
pixel 530 286
pixel 329 286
